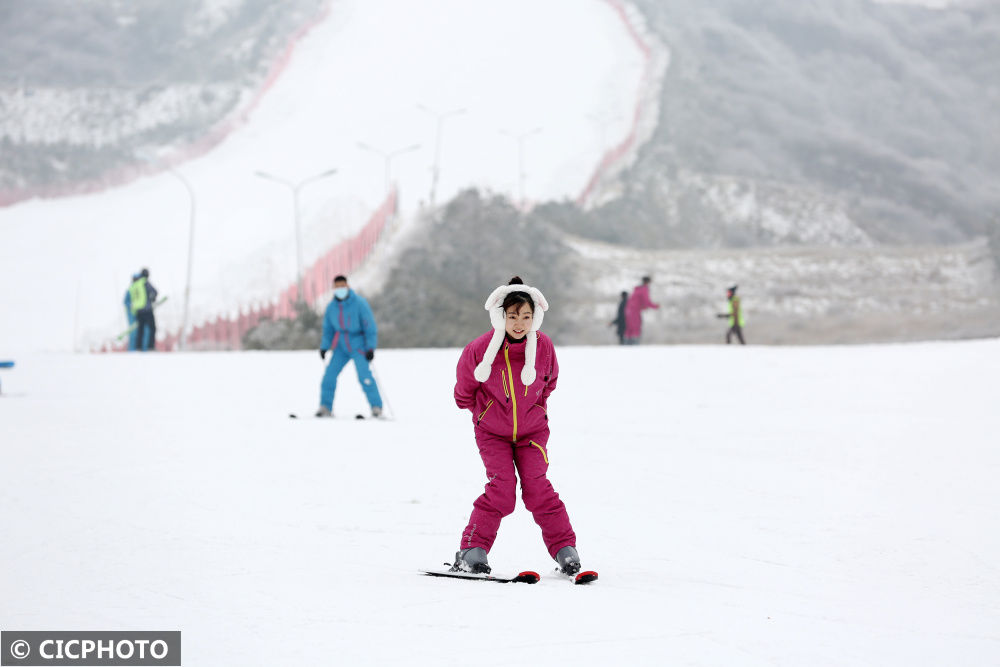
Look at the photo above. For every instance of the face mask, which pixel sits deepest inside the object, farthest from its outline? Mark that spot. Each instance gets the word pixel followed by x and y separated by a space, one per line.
pixel 341 293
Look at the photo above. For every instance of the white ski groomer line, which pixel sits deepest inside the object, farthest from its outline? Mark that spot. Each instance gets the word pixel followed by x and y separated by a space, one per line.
pixel 357 77
pixel 751 506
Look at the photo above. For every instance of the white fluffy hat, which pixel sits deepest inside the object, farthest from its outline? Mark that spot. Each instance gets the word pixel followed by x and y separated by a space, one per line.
pixel 494 304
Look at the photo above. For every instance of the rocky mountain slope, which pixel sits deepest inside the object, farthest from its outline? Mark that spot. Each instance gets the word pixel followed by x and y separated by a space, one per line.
pixel 861 122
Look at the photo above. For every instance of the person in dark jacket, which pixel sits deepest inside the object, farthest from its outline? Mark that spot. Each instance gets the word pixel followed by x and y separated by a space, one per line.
pixel 142 295
pixel 349 331
pixel 619 321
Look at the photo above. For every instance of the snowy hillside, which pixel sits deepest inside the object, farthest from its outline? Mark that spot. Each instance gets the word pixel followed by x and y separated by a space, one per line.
pixel 113 77
pixel 352 79
pixel 744 506
pixel 885 110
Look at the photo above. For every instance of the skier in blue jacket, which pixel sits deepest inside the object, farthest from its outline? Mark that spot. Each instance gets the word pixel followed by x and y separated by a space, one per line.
pixel 349 331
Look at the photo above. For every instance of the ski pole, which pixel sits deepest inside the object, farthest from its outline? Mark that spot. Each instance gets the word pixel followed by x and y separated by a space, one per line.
pixel 381 391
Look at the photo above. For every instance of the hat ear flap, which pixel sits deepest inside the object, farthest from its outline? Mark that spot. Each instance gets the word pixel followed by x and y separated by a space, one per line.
pixel 541 305
pixel 536 319
pixel 528 371
pixel 497 319
pixel 483 369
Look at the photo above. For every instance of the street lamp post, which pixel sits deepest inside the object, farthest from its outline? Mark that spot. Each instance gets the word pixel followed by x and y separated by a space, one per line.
pixel 150 158
pixel 296 188
pixel 387 156
pixel 436 170
pixel 520 157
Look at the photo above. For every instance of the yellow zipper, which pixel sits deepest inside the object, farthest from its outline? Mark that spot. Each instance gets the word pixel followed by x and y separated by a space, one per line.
pixel 503 381
pixel 483 413
pixel 513 394
pixel 542 450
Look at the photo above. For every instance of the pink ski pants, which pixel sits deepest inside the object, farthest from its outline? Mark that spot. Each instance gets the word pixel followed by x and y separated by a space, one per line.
pixel 505 461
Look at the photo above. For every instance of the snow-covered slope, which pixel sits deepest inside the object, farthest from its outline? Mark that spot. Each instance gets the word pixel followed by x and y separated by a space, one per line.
pixel 744 506
pixel 356 77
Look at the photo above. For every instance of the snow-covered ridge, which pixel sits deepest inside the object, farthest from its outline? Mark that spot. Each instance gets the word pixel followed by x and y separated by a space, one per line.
pixel 735 211
pixel 774 213
pixel 99 117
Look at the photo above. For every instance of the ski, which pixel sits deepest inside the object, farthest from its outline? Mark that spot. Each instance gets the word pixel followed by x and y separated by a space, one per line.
pixel 579 578
pixel 526 577
pixel 294 415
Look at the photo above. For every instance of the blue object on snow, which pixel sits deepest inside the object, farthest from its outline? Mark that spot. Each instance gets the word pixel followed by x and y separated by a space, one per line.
pixel 6 364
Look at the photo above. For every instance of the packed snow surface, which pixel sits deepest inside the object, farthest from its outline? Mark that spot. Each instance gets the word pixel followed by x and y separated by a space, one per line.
pixel 743 505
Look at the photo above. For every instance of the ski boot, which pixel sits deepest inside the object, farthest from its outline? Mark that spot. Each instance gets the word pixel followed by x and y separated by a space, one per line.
pixel 376 411
pixel 324 412
pixel 569 561
pixel 471 560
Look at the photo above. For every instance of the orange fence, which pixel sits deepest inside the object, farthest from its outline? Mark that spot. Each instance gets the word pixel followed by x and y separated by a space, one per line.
pixel 225 332
pixel 613 155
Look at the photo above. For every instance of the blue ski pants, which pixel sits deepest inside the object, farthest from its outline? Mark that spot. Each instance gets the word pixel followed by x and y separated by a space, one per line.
pixel 337 362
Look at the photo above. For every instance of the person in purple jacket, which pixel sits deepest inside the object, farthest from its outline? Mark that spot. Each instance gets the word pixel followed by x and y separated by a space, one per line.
pixel 504 379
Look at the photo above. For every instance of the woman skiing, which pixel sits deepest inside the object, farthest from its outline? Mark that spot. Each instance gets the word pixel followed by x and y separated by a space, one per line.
pixel 504 378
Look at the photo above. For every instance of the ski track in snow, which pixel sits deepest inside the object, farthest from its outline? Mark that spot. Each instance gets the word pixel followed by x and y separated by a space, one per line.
pixel 744 506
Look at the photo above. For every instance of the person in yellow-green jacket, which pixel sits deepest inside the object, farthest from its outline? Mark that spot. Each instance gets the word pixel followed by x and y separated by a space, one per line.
pixel 130 316
pixel 735 316
pixel 142 296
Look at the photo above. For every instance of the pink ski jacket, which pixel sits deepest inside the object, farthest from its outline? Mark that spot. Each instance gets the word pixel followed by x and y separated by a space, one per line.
pixel 638 302
pixel 503 406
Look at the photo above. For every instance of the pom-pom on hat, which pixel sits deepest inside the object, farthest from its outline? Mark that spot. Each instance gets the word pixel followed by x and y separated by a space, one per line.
pixel 494 304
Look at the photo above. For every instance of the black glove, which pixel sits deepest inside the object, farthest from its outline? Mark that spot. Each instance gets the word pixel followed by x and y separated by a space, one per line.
pixel 322 354
pixel 369 355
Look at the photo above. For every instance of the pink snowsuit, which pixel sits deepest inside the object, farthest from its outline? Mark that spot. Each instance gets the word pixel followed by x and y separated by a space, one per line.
pixel 512 433
pixel 638 302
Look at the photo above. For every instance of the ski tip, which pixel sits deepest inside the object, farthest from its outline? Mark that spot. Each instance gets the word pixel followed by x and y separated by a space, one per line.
pixel 528 577
pixel 585 577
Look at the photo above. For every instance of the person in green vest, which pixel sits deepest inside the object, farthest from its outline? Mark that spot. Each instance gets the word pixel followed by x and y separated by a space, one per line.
pixel 130 315
pixel 735 316
pixel 142 295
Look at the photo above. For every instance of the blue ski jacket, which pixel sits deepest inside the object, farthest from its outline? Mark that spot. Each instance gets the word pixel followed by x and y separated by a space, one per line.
pixel 349 324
